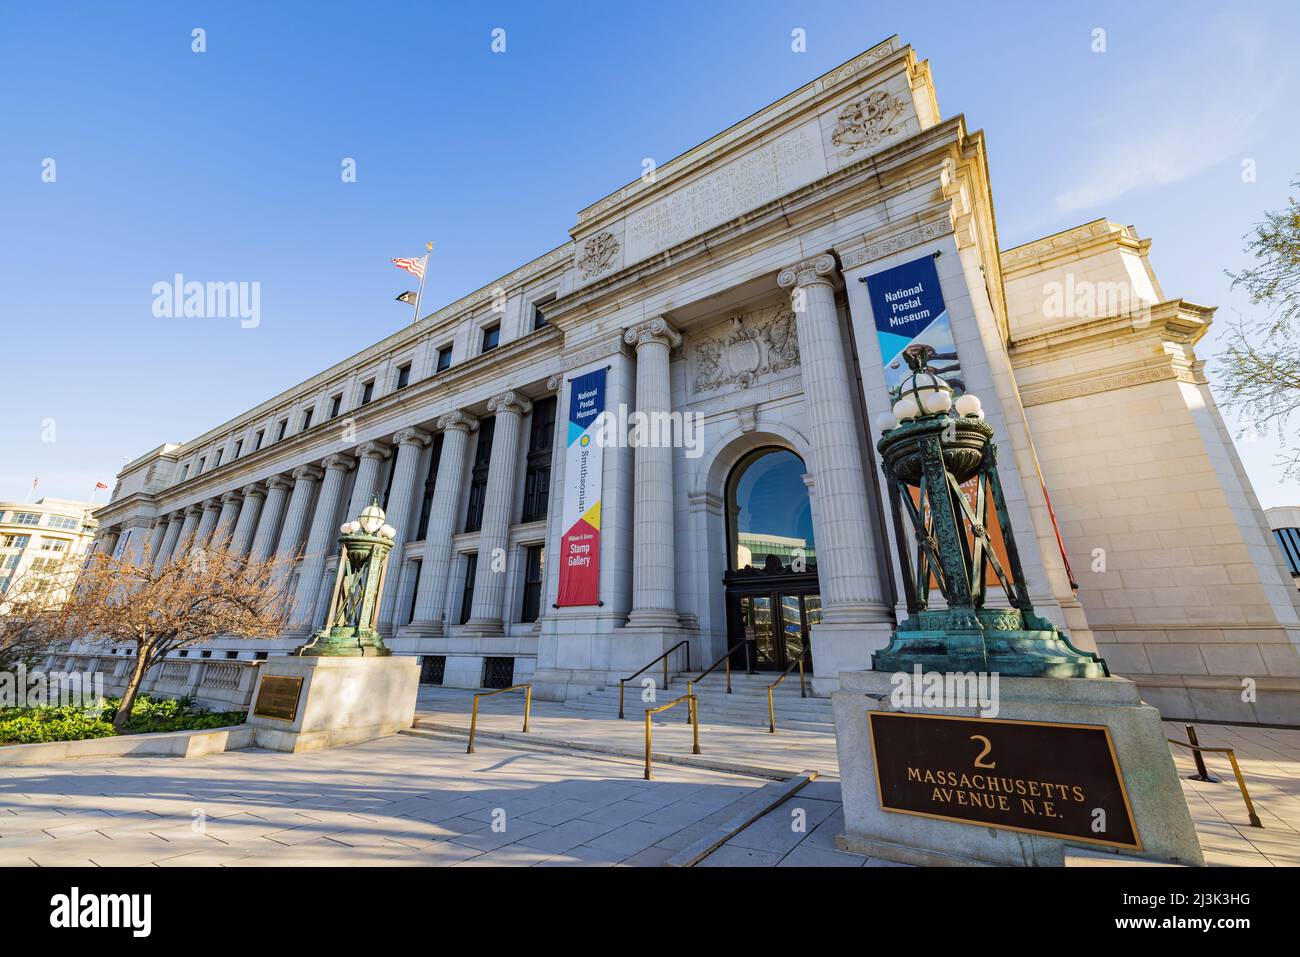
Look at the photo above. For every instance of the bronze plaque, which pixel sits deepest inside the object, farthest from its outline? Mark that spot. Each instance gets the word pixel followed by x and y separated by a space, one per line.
pixel 1059 780
pixel 277 697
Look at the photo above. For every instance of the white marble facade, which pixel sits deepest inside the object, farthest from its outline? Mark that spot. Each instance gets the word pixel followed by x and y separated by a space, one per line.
pixel 726 288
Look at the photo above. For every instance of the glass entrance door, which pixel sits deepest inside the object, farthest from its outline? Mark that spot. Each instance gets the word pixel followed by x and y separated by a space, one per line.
pixel 775 625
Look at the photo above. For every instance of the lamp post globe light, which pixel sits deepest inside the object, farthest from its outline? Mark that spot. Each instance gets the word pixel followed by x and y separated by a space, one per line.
pixel 350 628
pixel 931 445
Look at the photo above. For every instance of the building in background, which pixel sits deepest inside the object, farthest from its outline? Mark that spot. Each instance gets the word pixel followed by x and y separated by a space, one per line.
pixel 761 288
pixel 42 535
pixel 1284 520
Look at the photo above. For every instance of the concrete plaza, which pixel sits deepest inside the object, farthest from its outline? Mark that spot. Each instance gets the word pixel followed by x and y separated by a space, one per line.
pixel 562 796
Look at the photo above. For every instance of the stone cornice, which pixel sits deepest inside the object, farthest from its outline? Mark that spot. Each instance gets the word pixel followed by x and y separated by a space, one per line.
pixel 1176 321
pixel 878 248
pixel 1074 243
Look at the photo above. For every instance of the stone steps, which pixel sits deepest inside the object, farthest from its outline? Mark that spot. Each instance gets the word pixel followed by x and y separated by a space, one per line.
pixel 746 706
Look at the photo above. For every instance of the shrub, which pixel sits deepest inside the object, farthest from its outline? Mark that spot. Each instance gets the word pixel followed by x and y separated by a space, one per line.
pixel 148 716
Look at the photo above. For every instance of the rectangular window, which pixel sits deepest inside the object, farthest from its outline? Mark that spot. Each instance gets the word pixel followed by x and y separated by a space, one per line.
pixel 491 337
pixel 367 391
pixel 239 447
pixel 283 428
pixel 534 566
pixel 498 672
pixel 27 518
pixel 202 461
pixel 14 541
pixel 467 596
pixel 336 406
pixel 479 475
pixel 257 439
pixel 430 485
pixel 537 478
pixel 416 567
pixel 217 460
pixel 54 544
pixel 432 668
pixel 403 376
pixel 444 359
pixel 61 521
pixel 185 471
pixel 306 419
pixel 539 313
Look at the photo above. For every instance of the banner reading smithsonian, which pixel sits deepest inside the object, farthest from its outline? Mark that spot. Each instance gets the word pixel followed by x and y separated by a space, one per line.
pixel 580 544
pixel 908 307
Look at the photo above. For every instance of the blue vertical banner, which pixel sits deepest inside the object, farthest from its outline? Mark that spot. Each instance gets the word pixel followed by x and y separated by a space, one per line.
pixel 909 310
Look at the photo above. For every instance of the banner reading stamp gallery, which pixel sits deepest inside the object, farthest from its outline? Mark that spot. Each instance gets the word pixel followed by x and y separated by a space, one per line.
pixel 584 458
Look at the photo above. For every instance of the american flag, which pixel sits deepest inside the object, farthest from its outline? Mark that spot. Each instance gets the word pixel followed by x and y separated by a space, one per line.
pixel 414 266
pixel 100 485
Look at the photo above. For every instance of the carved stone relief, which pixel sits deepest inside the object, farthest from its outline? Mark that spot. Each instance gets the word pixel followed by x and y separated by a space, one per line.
pixel 598 254
pixel 867 121
pixel 750 347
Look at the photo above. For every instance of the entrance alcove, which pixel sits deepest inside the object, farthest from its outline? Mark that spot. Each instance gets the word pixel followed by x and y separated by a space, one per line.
pixel 754 514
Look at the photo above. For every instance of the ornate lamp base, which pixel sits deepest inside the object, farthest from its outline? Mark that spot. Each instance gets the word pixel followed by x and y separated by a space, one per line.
pixel 1002 640
pixel 344 642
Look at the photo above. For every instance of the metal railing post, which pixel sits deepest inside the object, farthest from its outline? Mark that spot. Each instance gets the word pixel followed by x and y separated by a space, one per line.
pixel 1202 773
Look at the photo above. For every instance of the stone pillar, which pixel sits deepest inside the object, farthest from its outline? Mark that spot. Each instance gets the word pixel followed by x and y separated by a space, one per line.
pixel 277 493
pixel 370 456
pixel 156 540
pixel 321 542
pixel 856 617
pixel 435 564
pixel 654 598
pixel 487 615
pixel 207 523
pixel 245 525
pixel 163 554
pixel 186 538
pixel 410 442
pixel 230 502
pixel 108 542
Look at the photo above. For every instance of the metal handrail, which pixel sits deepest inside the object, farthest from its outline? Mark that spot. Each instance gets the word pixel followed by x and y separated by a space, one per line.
pixel 473 720
pixel 749 669
pixel 692 712
pixel 664 659
pixel 1236 770
pixel 771 711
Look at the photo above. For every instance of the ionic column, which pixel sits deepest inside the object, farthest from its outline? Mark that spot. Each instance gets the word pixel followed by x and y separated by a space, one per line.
pixel 654 600
pixel 186 538
pixel 230 502
pixel 487 612
pixel 847 571
pixel 175 521
pixel 410 443
pixel 436 561
pixel 242 538
pixel 370 457
pixel 321 541
pixel 156 540
pixel 207 523
pixel 277 493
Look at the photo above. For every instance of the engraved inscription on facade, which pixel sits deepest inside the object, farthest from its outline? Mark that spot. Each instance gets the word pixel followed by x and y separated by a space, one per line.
pixel 791 161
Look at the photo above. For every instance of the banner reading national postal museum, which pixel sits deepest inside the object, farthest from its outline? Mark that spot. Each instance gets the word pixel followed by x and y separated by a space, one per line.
pixel 584 458
pixel 908 307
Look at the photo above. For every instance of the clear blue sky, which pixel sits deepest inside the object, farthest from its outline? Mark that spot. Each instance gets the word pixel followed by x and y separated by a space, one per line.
pixel 225 166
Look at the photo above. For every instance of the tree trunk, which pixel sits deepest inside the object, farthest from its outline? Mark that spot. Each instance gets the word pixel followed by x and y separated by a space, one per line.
pixel 132 688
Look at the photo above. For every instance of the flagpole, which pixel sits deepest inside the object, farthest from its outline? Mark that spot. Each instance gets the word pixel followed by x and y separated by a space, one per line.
pixel 423 272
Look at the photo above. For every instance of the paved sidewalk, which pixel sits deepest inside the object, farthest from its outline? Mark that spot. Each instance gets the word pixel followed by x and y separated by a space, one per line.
pixel 1269 758
pixel 400 800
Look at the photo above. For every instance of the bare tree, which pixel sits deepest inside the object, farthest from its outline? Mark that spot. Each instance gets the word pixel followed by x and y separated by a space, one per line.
pixel 1260 371
pixel 198 595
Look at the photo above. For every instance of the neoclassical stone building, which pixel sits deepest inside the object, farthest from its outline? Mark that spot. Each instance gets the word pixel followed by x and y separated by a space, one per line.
pixel 743 296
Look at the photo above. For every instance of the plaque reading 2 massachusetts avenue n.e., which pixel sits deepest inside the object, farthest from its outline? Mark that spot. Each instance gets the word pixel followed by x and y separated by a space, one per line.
pixel 1061 780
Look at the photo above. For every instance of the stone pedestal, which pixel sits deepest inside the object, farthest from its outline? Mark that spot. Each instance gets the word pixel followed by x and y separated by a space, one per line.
pixel 1155 796
pixel 341 701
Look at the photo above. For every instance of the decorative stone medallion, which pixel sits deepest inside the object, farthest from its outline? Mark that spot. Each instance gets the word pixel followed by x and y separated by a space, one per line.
pixel 867 121
pixel 598 254
pixel 755 345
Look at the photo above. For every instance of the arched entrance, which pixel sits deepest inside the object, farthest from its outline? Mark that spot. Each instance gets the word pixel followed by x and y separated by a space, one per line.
pixel 771 578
